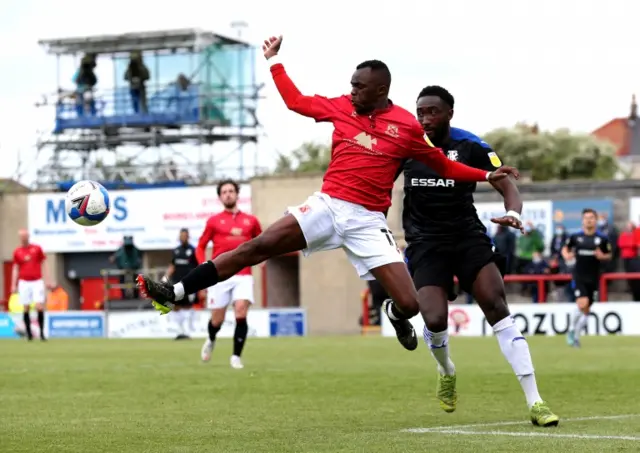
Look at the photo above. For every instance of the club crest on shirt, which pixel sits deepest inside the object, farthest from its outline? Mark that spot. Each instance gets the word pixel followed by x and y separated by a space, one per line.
pixel 495 160
pixel 392 131
pixel 246 221
pixel 597 240
pixel 452 155
pixel 236 231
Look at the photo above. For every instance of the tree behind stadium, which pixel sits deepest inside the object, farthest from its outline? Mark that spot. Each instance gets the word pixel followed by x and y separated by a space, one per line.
pixel 554 155
pixel 308 158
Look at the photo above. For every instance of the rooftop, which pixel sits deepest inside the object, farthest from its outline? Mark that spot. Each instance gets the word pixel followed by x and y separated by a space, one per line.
pixel 181 39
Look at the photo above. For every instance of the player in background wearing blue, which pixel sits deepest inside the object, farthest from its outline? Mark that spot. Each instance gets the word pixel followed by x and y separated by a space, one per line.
pixel 589 247
pixel 446 238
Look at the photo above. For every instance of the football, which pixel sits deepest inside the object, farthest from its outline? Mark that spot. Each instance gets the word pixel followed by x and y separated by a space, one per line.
pixel 87 203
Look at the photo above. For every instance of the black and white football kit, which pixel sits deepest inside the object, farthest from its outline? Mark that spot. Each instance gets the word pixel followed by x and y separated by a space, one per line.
pixel 444 234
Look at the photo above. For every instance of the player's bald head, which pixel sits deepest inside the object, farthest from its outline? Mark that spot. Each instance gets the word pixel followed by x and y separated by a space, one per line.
pixel 23 234
pixel 378 72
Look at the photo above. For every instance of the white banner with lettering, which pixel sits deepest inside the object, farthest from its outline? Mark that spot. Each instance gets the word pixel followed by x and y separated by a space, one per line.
pixel 538 319
pixel 149 324
pixel 539 213
pixel 153 217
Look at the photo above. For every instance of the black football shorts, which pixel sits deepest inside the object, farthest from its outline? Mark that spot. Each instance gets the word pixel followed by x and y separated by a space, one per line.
pixel 436 263
pixel 585 288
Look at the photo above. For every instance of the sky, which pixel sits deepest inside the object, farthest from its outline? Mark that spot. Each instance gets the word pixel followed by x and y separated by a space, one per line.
pixel 562 63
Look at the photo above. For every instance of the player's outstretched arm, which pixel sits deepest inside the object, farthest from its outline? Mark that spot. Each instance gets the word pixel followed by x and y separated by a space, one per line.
pixel 315 107
pixel 423 151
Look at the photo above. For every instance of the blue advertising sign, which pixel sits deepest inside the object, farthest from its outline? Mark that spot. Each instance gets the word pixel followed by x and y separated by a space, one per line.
pixel 288 323
pixel 569 212
pixel 7 326
pixel 75 325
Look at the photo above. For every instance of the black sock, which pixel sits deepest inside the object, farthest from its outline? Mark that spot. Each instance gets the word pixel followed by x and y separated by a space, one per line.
pixel 41 323
pixel 202 277
pixel 240 336
pixel 213 331
pixel 27 323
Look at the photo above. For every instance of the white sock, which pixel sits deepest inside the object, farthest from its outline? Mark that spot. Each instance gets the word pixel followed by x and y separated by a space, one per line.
pixel 575 319
pixel 581 324
pixel 178 290
pixel 438 343
pixel 515 349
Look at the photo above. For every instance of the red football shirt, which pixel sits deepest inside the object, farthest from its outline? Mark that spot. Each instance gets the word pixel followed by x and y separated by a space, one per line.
pixel 29 260
pixel 227 231
pixel 367 150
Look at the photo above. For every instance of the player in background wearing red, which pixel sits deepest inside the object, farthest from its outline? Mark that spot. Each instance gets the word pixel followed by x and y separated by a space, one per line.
pixel 228 230
pixel 27 280
pixel 372 136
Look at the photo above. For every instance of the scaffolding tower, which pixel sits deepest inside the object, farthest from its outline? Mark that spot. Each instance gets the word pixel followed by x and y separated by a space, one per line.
pixel 121 127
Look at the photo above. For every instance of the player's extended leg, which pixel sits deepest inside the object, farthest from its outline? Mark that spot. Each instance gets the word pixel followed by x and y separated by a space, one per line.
pixel 488 291
pixel 282 237
pixel 241 309
pixel 579 318
pixel 434 307
pixel 403 305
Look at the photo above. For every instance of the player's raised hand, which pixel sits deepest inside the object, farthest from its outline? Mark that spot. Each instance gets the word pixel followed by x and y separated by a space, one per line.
pixel 509 221
pixel 271 46
pixel 503 172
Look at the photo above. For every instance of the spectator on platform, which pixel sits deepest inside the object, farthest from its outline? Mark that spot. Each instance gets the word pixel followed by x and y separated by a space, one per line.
pixel 137 75
pixel 505 243
pixel 628 246
pixel 557 241
pixel 609 230
pixel 128 259
pixel 85 80
pixel 537 266
pixel 183 97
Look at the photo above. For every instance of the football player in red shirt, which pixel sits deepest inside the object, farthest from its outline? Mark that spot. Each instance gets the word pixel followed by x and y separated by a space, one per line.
pixel 227 230
pixel 29 267
pixel 371 138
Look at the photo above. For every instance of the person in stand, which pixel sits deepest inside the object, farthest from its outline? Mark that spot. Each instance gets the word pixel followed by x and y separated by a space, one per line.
pixel 128 259
pixel 628 246
pixel 183 261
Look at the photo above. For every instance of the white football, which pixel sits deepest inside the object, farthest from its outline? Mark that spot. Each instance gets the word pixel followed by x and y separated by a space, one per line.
pixel 87 203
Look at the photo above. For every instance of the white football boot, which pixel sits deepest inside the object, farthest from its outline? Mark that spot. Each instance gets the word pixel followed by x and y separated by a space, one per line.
pixel 207 348
pixel 236 362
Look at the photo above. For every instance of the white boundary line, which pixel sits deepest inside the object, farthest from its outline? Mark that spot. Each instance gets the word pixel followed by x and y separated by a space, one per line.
pixel 547 435
pixel 453 428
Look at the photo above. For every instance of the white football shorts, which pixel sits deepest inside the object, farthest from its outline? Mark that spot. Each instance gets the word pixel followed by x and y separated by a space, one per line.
pixel 30 292
pixel 330 223
pixel 223 294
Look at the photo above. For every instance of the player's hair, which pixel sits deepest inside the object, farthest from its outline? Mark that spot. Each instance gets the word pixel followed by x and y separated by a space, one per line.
pixel 436 90
pixel 589 211
pixel 223 183
pixel 377 66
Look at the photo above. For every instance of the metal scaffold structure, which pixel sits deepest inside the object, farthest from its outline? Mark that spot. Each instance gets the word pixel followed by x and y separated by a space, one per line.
pixel 169 107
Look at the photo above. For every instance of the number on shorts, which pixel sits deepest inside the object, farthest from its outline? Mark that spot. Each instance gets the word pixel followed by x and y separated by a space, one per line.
pixel 389 236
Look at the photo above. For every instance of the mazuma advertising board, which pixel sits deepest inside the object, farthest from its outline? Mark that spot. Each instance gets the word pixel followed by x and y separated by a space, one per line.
pixel 611 318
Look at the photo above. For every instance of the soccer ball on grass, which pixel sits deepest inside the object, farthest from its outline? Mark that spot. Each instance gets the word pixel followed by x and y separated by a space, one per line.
pixel 87 203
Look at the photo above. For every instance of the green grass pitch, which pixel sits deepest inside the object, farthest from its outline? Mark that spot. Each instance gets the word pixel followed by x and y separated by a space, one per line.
pixel 303 395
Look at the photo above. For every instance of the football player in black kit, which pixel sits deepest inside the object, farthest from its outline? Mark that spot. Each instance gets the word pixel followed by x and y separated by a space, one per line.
pixel 589 248
pixel 446 238
pixel 183 261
